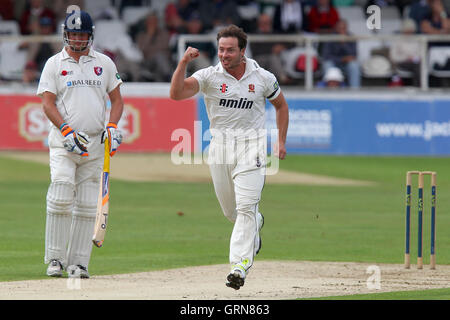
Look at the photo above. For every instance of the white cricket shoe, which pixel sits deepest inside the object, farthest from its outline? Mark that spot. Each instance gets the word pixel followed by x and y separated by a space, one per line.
pixel 55 268
pixel 236 278
pixel 260 223
pixel 77 271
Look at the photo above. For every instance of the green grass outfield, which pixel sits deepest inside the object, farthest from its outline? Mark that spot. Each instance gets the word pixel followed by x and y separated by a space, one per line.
pixel 316 223
pixel 432 294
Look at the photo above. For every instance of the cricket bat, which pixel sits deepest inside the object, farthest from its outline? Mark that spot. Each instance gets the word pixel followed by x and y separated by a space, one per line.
pixel 101 220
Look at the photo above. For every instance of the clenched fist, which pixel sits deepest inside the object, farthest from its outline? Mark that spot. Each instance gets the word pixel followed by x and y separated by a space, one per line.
pixel 190 54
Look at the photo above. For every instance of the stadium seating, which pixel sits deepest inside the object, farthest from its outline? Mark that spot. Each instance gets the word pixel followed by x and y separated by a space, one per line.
pixel 439 60
pixel 390 13
pixel 132 14
pixel 290 59
pixel 111 35
pixel 391 21
pixel 390 26
pixel 100 9
pixel 9 27
pixel 12 59
pixel 356 21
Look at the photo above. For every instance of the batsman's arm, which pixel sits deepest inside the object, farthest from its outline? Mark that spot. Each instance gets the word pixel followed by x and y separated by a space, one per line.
pixel 181 88
pixel 50 109
pixel 282 119
pixel 116 105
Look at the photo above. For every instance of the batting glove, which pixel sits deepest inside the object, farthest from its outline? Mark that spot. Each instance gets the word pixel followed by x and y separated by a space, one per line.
pixel 114 136
pixel 75 142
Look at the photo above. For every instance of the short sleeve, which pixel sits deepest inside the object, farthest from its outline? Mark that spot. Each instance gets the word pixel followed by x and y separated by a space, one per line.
pixel 202 76
pixel 272 88
pixel 113 76
pixel 47 81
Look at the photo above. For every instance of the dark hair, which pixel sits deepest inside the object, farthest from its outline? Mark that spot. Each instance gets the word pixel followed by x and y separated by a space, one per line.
pixel 234 32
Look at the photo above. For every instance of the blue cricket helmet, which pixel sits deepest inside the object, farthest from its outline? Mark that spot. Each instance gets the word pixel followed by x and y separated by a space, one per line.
pixel 78 21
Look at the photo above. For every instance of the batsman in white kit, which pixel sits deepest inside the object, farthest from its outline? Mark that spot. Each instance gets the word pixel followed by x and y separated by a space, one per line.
pixel 75 86
pixel 235 93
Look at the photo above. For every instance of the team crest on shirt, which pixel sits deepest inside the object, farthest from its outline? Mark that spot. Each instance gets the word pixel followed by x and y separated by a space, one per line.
pixel 98 70
pixel 223 88
pixel 251 88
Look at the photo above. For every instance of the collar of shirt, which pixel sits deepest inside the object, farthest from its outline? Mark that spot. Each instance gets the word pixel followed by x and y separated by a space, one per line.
pixel 250 66
pixel 66 56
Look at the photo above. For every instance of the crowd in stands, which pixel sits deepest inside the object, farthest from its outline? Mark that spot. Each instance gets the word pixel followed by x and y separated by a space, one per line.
pixel 141 36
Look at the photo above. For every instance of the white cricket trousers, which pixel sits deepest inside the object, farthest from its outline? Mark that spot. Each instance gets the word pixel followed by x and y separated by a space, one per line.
pixel 72 201
pixel 238 174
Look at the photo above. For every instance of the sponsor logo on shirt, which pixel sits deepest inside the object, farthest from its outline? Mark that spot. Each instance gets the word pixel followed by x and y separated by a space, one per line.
pixel 251 88
pixel 66 73
pixel 276 85
pixel 84 83
pixel 223 88
pixel 242 103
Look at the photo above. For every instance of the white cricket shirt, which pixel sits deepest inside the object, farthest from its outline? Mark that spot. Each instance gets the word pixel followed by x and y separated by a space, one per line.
pixel 81 88
pixel 237 104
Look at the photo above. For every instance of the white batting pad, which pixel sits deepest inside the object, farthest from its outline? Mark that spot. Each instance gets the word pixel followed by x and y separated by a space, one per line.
pixel 60 197
pixel 83 221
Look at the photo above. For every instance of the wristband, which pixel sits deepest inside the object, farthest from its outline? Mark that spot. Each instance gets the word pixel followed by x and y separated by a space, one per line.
pixel 65 129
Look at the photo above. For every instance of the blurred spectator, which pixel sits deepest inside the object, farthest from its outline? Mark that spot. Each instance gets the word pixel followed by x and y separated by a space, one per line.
pixel 133 3
pixel 29 23
pixel 177 14
pixel 112 39
pixel 418 11
pixel 154 44
pixel 436 21
pixel 30 73
pixel 39 52
pixel 19 8
pixel 342 54
pixel 288 17
pixel 181 8
pixel 137 27
pixel 322 17
pixel 404 54
pixel 207 49
pixel 333 78
pixel 343 3
pixel 217 13
pixel 402 5
pixel 268 54
pixel 248 11
pixel 6 10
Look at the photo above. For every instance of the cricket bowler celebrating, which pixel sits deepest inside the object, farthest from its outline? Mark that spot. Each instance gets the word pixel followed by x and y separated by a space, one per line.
pixel 235 93
pixel 75 86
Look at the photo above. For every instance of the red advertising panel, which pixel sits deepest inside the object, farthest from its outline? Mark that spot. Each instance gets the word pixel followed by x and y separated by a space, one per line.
pixel 147 124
